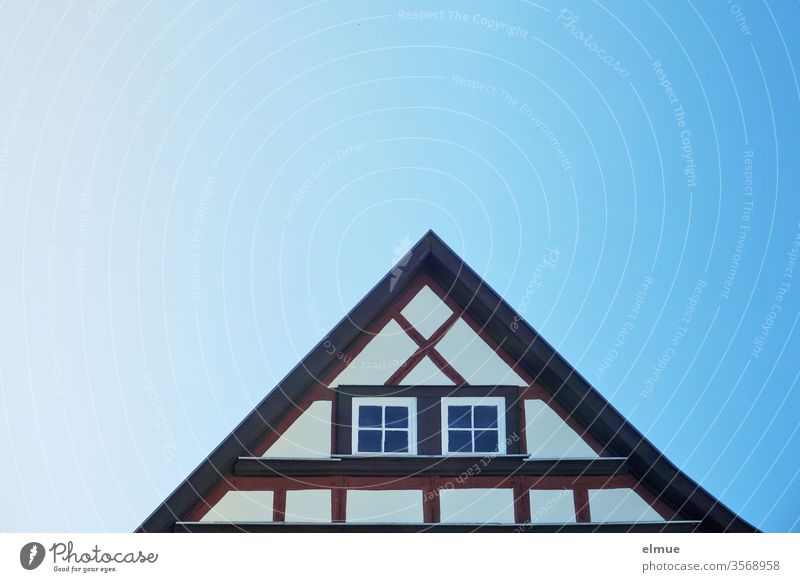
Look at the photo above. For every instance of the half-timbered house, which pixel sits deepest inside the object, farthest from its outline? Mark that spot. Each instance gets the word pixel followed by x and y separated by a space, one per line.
pixel 433 406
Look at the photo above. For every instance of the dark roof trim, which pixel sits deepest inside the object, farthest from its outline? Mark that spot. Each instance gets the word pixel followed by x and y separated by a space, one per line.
pixel 601 420
pixel 276 527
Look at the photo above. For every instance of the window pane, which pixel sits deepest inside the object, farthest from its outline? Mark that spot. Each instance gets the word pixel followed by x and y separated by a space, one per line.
pixel 396 441
pixel 486 441
pixel 459 416
pixel 485 417
pixel 369 441
pixel 396 417
pixel 459 441
pixel 369 416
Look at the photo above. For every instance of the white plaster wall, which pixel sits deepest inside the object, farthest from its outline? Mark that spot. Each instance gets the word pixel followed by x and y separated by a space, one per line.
pixel 380 358
pixel 620 505
pixel 308 505
pixel 426 312
pixel 308 437
pixel 549 437
pixel 552 506
pixel 426 373
pixel 474 359
pixel 242 506
pixel 401 506
pixel 477 505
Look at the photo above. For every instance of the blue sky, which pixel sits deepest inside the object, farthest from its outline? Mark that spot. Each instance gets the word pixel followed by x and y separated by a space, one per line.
pixel 192 194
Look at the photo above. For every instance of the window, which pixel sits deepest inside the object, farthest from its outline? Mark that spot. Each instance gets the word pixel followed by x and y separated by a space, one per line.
pixel 473 425
pixel 384 426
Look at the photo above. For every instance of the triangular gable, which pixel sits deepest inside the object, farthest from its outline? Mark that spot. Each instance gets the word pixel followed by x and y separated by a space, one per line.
pixel 477 339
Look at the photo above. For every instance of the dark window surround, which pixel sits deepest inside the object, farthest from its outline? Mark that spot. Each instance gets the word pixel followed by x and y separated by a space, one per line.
pixel 429 412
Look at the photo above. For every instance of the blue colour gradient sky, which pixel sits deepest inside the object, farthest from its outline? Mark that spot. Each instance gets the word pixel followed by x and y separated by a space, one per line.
pixel 193 193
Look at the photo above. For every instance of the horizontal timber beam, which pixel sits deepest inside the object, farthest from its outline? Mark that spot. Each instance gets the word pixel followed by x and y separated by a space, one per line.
pixel 413 466
pixel 271 527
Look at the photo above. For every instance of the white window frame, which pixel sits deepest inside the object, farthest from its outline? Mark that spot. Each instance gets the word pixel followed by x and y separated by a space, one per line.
pixel 497 401
pixel 410 403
